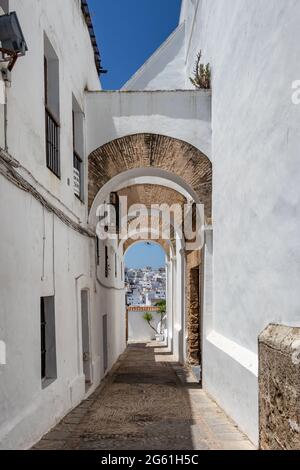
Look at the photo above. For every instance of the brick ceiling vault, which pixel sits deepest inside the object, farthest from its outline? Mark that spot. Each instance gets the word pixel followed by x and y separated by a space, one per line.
pixel 150 194
pixel 156 151
pixel 151 225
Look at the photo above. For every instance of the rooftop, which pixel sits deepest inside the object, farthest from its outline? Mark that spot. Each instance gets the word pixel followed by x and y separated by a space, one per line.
pixel 88 20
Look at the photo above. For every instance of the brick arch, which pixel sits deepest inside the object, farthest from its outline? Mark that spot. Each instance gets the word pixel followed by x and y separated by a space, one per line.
pixel 151 151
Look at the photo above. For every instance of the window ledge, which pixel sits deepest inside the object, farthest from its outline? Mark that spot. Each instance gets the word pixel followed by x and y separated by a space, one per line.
pixel 47 382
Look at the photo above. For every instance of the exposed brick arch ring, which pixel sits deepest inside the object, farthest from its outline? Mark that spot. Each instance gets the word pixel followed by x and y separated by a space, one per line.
pixel 156 151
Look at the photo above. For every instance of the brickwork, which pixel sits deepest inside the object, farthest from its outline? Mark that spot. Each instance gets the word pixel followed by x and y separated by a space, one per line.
pixel 193 305
pixel 156 151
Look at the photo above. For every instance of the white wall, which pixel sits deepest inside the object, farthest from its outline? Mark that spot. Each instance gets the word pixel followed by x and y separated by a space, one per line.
pixel 66 29
pixel 39 254
pixel 165 69
pixel 253 50
pixel 184 115
pixel 138 328
pixel 27 411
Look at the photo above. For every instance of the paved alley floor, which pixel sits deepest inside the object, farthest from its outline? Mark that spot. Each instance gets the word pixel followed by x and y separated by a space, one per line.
pixel 146 403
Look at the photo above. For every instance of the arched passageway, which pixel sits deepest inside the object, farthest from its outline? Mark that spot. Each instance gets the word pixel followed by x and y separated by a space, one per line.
pixel 143 151
pixel 147 306
pixel 151 169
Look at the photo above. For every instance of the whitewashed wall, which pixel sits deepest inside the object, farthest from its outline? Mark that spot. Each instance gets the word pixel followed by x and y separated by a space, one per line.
pixel 65 27
pixel 165 69
pixel 184 115
pixel 138 328
pixel 39 255
pixel 253 50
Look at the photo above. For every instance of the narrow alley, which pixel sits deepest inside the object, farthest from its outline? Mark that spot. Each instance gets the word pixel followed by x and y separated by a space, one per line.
pixel 147 402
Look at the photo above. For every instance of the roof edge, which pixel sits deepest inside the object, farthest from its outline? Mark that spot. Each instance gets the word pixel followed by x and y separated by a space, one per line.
pixel 88 19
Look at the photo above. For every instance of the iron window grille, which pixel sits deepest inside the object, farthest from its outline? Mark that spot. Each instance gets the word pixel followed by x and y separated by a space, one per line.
pixel 52 143
pixel 52 131
pixel 78 175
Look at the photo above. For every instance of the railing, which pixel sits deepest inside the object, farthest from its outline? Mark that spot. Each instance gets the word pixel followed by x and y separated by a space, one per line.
pixel 52 143
pixel 77 175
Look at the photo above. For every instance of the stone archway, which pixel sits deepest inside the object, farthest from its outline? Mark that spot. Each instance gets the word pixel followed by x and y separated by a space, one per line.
pixel 138 155
pixel 151 151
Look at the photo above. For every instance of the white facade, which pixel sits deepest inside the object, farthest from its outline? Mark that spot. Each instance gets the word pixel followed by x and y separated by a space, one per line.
pixel 252 48
pixel 138 328
pixel 40 255
pixel 248 127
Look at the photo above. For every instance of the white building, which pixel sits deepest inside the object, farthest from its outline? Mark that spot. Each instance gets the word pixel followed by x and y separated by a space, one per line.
pixel 46 252
pixel 62 292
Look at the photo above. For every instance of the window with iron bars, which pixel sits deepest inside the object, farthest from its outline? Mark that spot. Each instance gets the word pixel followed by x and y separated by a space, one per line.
pixel 51 92
pixel 52 143
pixel 77 168
pixel 78 151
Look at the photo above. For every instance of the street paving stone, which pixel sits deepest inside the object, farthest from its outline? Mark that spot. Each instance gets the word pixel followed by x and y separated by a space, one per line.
pixel 147 402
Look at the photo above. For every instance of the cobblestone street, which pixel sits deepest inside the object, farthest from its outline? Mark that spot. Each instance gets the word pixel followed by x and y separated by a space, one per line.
pixel 146 403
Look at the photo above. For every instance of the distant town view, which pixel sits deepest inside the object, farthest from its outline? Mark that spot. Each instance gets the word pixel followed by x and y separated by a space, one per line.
pixel 145 287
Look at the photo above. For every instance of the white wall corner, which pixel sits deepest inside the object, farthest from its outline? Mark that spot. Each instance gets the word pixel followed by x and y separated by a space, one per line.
pixel 165 69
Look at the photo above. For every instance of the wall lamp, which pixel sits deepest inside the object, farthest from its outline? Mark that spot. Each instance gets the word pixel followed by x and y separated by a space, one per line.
pixel 13 44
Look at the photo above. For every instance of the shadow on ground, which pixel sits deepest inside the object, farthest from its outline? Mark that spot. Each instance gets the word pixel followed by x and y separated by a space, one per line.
pixel 148 402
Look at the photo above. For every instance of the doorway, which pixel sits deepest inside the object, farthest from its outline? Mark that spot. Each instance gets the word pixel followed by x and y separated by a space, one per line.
pixel 86 353
pixel 194 346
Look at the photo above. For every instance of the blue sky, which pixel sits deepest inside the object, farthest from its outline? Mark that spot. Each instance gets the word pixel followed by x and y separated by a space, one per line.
pixel 128 32
pixel 142 255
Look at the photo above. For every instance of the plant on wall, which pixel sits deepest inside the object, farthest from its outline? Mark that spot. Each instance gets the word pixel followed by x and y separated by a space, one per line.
pixel 202 74
pixel 161 304
pixel 148 317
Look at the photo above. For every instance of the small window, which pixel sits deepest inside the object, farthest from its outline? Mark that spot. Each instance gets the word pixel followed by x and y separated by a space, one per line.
pixel 51 85
pixel 116 265
pixel 78 150
pixel 48 341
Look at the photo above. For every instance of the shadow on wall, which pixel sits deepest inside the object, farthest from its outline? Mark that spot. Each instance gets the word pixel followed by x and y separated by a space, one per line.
pixel 138 329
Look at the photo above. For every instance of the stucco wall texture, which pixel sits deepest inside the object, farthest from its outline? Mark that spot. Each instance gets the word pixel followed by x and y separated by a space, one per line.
pixel 253 51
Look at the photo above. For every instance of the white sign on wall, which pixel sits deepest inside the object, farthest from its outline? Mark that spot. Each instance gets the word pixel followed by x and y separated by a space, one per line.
pixel 2 353
pixel 2 92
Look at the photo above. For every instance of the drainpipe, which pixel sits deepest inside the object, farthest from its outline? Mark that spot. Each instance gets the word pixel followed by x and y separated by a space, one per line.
pixel 78 309
pixel 3 102
pixel 5 118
